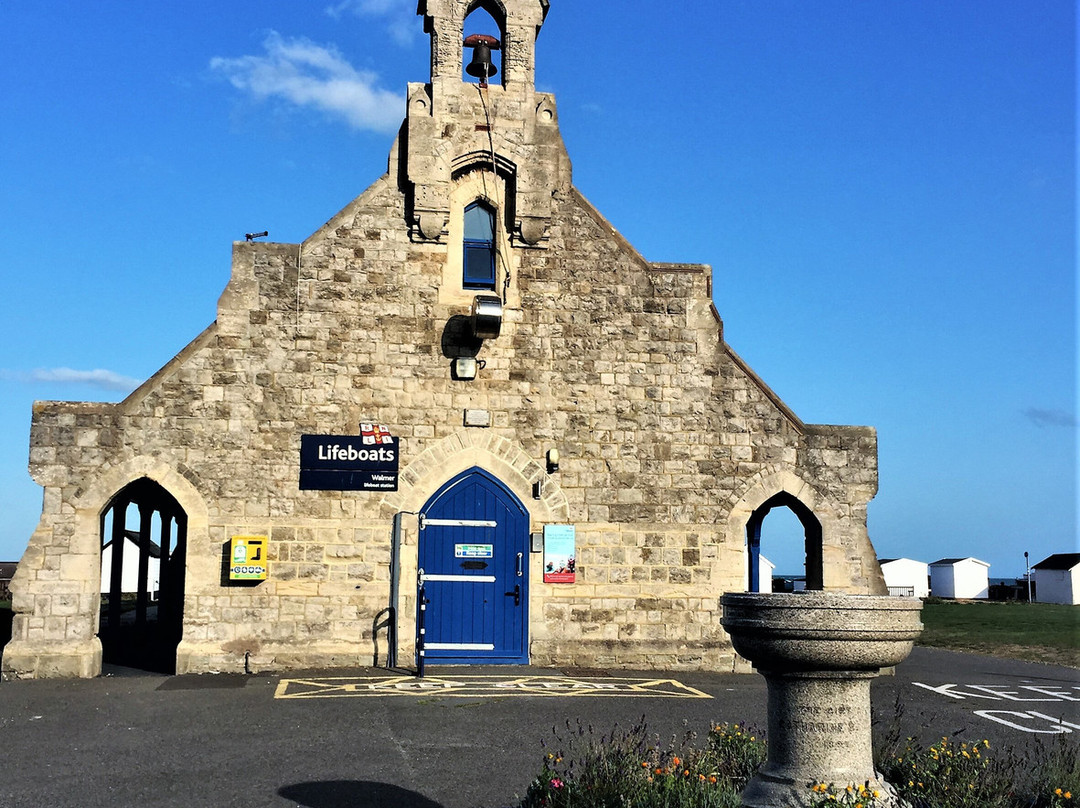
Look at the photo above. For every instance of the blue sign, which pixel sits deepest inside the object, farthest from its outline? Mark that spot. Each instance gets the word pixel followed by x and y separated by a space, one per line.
pixel 349 463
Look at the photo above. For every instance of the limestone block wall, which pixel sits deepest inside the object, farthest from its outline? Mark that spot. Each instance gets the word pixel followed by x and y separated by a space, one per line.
pixel 669 442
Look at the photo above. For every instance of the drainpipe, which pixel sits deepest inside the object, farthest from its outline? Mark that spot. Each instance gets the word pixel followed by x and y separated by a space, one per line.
pixel 395 574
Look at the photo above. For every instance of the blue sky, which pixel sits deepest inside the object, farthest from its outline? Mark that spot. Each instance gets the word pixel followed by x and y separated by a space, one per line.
pixel 886 192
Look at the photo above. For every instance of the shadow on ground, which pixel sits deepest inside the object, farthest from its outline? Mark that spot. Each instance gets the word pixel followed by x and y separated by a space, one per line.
pixel 354 794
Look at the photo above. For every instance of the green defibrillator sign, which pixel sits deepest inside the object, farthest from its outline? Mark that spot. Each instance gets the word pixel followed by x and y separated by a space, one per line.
pixel 247 558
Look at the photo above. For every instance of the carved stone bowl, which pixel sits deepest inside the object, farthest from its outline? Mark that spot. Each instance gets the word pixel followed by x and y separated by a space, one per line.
pixel 821 630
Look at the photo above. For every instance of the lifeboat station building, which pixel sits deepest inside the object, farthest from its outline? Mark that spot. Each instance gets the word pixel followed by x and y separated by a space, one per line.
pixel 464 422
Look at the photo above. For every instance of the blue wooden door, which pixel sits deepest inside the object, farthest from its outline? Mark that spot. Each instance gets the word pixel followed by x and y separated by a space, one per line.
pixel 474 553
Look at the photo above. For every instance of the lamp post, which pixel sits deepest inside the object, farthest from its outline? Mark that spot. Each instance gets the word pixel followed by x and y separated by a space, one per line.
pixel 1027 566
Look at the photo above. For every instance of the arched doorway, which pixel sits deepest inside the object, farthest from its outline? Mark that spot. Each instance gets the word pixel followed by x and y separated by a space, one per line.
pixel 812 539
pixel 143 549
pixel 473 556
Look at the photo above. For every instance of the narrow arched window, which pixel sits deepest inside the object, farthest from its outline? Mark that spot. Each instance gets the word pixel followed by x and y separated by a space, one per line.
pixel 479 258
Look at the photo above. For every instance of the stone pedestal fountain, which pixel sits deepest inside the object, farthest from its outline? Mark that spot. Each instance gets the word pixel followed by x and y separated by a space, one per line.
pixel 818 652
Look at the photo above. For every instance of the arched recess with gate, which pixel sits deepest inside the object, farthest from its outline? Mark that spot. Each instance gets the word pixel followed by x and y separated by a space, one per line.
pixel 825 534
pixel 143 533
pixel 473 551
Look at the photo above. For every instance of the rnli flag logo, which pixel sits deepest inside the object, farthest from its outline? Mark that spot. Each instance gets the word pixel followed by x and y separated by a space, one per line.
pixel 375 434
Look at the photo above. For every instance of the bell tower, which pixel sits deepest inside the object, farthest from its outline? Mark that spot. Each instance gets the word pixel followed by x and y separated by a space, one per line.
pixel 471 116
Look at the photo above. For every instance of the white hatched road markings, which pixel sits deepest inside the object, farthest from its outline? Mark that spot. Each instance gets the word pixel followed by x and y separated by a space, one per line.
pixel 483 687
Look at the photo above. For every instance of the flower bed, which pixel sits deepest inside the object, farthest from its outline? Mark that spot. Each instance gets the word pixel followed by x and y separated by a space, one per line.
pixel 631 769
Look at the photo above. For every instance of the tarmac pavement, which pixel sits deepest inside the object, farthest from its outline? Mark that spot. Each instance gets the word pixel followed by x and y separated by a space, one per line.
pixel 464 738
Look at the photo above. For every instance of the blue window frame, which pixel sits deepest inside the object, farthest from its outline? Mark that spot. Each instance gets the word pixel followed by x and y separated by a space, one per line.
pixel 479 256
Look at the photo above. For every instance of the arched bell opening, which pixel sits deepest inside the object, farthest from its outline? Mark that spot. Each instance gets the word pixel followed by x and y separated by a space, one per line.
pixel 143 550
pixel 485 37
pixel 812 566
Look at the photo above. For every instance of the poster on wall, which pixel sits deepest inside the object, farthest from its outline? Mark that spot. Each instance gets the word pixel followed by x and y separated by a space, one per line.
pixel 560 554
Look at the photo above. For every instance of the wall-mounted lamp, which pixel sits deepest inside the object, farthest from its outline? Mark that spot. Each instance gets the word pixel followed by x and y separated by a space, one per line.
pixel 486 314
pixel 552 461
pixel 465 367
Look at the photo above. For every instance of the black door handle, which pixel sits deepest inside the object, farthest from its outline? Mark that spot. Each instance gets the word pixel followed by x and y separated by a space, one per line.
pixel 516 595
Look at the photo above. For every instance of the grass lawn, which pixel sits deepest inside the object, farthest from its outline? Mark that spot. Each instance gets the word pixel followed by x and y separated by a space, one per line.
pixel 1041 632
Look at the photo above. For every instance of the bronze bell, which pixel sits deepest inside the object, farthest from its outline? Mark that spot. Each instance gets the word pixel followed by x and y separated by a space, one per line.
pixel 481 66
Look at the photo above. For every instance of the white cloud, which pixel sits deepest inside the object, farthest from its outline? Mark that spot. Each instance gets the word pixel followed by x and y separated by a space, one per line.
pixel 399 15
pixel 309 75
pixel 105 379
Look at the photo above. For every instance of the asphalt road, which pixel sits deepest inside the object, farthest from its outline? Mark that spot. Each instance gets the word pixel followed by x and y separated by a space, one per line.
pixel 133 739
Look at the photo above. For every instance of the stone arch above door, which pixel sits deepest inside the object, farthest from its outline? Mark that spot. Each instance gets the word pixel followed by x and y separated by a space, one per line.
pixel 848 561
pixel 766 484
pixel 776 487
pixel 502 457
pixel 90 502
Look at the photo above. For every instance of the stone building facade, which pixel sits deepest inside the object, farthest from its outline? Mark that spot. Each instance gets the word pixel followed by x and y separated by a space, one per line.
pixel 669 449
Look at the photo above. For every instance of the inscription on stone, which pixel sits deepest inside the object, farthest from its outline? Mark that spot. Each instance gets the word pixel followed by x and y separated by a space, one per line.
pixel 480 418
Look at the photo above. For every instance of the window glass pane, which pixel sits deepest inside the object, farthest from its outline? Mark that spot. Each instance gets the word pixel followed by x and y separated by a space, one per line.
pixel 479 222
pixel 479 265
